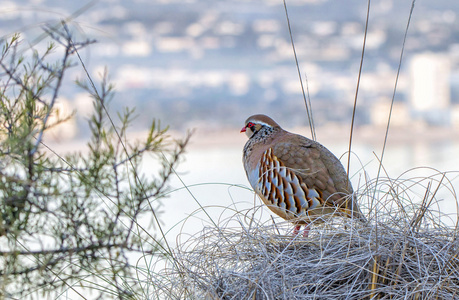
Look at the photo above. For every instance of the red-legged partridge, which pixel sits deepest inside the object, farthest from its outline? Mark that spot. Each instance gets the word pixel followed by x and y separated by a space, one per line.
pixel 297 178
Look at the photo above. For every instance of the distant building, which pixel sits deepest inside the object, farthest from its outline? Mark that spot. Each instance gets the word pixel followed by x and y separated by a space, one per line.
pixel 400 115
pixel 430 96
pixel 455 116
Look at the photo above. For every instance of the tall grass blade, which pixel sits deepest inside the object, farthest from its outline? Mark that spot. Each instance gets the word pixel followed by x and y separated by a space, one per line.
pixel 307 101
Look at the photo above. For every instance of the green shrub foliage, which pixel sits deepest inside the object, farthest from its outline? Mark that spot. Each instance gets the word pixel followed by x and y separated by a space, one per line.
pixel 73 219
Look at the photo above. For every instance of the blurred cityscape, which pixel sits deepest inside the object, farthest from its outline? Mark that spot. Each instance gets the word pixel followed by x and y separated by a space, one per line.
pixel 197 62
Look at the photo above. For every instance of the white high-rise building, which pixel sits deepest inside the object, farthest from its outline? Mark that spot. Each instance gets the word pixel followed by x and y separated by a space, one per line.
pixel 430 83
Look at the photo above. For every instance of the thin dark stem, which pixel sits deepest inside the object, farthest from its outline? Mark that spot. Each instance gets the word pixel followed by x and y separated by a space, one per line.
pixel 358 85
pixel 393 94
pixel 306 103
pixel 60 77
pixel 67 250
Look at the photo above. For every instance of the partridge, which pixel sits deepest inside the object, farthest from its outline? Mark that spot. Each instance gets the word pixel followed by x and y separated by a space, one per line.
pixel 297 178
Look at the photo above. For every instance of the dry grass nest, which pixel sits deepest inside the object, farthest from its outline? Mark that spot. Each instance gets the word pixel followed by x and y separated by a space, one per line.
pixel 406 250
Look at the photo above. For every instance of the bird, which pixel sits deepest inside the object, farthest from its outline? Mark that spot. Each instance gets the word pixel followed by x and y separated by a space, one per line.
pixel 296 177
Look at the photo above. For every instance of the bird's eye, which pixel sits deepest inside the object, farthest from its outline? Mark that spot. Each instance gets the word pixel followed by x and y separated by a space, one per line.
pixel 250 124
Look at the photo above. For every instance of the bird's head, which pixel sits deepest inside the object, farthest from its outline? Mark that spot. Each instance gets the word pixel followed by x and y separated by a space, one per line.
pixel 259 123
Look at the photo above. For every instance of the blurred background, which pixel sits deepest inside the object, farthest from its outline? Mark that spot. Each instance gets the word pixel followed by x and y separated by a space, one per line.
pixel 208 65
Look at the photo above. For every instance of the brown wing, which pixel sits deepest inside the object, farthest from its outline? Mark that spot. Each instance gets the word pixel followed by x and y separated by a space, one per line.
pixel 319 169
pixel 283 190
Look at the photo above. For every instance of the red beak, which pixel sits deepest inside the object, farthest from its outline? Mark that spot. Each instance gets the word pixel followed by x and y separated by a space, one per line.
pixel 243 129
